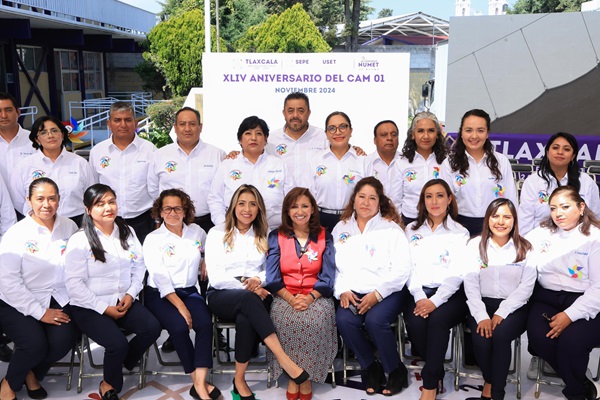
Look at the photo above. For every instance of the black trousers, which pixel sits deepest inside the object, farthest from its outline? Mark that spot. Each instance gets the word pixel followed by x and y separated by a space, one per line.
pixel 473 225
pixel 329 221
pixel 493 355
pixel 142 225
pixel 251 316
pixel 37 345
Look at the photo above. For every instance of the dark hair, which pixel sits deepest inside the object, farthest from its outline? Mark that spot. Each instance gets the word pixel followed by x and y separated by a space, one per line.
pixel 458 158
pixel 386 207
pixel 573 173
pixel 11 98
pixel 410 145
pixel 38 126
pixel 251 123
pixel 189 210
pixel 188 109
pixel 522 245
pixel 297 96
pixel 343 114
pixel 39 182
pixel 259 224
pixel 314 223
pixel 120 106
pixel 586 220
pixel 423 215
pixel 91 197
pixel 387 121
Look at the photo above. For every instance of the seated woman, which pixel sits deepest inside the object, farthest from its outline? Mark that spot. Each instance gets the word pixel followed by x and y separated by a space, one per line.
pixel 497 290
pixel 438 301
pixel 563 322
pixel 373 264
pixel 235 263
pixel 34 304
pixel 173 255
pixel 301 271
pixel 104 269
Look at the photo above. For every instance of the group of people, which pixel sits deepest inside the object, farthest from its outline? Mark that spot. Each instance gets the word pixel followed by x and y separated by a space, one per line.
pixel 294 257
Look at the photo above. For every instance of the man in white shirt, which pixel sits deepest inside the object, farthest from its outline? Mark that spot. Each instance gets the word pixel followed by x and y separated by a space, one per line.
pixel 122 162
pixel 381 161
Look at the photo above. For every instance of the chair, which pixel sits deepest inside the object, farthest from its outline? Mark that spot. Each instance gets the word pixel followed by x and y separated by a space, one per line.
pixel 162 362
pixel 590 163
pixel 593 169
pixel 70 365
pixel 83 153
pixel 513 161
pixel 539 380
pixel 516 367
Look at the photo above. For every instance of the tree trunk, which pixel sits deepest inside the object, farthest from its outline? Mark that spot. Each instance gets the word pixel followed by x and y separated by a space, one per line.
pixel 352 16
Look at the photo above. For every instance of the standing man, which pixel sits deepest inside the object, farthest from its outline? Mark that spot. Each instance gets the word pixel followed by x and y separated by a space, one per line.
pixel 122 162
pixel 381 161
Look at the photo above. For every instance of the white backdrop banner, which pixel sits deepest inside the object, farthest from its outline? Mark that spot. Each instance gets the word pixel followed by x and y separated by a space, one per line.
pixel 369 87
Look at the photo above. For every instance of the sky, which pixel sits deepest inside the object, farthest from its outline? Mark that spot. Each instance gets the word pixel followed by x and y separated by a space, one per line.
pixel 438 8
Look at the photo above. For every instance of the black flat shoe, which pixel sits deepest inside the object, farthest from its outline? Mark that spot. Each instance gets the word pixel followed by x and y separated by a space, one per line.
pixel 375 377
pixel 110 394
pixel 167 346
pixel 300 379
pixel 214 394
pixel 37 394
pixel 397 381
pixel 236 395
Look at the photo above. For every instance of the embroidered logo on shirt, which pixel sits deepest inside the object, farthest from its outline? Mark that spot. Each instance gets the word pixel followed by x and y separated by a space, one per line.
pixel 281 149
pixel 170 166
pixel 198 245
pixel 575 271
pixel 32 246
pixel 104 162
pixel 460 180
pixel 543 196
pixel 321 170
pixel 544 246
pixel 37 174
pixel 376 174
pixel 370 250
pixel 132 256
pixel 349 179
pixel 311 254
pixel 273 183
pixel 228 248
pixel 410 175
pixel 235 174
pixel 414 239
pixel 436 172
pixel 482 265
pixel 499 190
pixel 445 257
pixel 63 247
pixel 344 237
pixel 169 250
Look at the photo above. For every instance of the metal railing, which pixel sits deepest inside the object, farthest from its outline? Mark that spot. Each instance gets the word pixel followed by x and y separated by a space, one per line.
pixel 31 110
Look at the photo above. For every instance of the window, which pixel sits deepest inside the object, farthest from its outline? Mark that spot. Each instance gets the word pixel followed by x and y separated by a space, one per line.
pixel 69 70
pixel 92 68
pixel 31 57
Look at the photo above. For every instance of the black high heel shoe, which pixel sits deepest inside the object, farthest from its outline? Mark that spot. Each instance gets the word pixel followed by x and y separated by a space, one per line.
pixel 237 395
pixel 375 377
pixel 397 381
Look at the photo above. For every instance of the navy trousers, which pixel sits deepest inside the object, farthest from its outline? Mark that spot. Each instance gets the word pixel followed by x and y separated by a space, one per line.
pixel 192 355
pixel 118 352
pixel 493 355
pixel 37 345
pixel 377 323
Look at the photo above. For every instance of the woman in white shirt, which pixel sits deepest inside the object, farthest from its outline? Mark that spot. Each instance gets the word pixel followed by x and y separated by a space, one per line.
pixel 173 255
pixel 438 301
pixel 372 260
pixel 34 304
pixel 336 170
pixel 476 173
pixel 235 263
pixel 498 286
pixel 104 269
pixel 558 168
pixel 563 322
pixel 422 155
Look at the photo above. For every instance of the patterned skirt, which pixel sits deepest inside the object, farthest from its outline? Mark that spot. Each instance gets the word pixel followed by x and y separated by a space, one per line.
pixel 308 337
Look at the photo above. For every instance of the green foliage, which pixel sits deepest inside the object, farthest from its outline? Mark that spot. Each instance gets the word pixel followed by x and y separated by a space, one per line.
pixel 385 12
pixel 176 47
pixel 291 32
pixel 544 6
pixel 153 80
pixel 239 16
pixel 162 115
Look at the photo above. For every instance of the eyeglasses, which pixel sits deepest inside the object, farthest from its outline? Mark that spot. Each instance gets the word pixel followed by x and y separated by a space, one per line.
pixel 167 210
pixel 342 128
pixel 54 132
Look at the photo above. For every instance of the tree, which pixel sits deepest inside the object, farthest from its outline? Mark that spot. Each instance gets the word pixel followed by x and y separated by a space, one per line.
pixel 385 12
pixel 290 32
pixel 544 6
pixel 242 14
pixel 352 15
pixel 176 47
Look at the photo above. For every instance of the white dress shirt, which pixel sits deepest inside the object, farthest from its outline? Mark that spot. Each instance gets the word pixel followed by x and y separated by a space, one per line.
pixel 297 153
pixel 126 172
pixel 333 180
pixel 18 148
pixel 71 172
pixel 224 262
pixel 436 259
pixel 32 260
pixel 500 278
pixel 96 285
pixel 268 175
pixel 7 212
pixel 535 193
pixel 172 168
pixel 376 259
pixel 172 261
pixel 477 190
pixel 569 260
pixel 409 179
pixel 378 168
